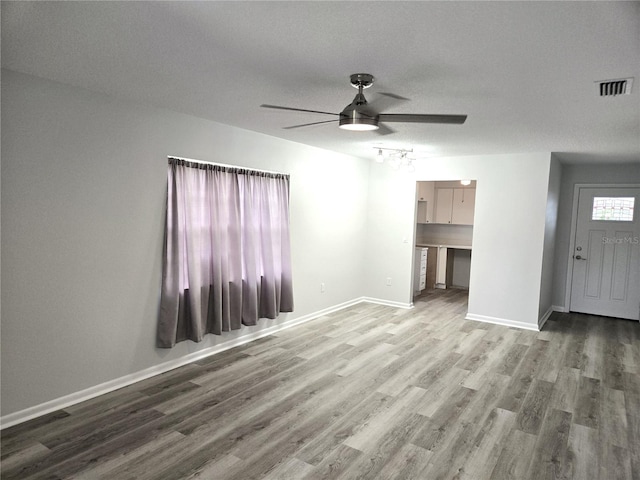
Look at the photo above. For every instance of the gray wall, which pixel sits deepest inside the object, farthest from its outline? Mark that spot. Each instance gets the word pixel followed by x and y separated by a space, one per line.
pixel 572 174
pixel 83 199
pixel 461 268
pixel 550 230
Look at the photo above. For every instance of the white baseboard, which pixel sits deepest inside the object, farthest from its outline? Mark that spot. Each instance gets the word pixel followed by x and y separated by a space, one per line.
pixel 388 303
pixel 557 308
pixel 106 387
pixel 502 321
pixel 542 320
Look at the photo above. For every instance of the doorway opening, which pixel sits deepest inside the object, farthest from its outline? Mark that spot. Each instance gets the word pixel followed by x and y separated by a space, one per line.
pixel 443 239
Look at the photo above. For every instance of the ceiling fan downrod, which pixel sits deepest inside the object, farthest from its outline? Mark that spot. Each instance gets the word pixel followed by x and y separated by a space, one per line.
pixel 361 81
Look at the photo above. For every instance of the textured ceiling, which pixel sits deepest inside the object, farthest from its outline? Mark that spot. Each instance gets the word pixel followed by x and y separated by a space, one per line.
pixel 523 72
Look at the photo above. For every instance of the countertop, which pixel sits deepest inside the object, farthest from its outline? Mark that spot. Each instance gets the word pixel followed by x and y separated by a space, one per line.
pixel 444 245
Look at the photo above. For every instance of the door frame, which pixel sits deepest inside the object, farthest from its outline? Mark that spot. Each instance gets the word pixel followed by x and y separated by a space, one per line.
pixel 574 227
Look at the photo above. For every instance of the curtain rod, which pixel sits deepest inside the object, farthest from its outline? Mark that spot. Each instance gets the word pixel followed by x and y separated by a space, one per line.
pixel 225 165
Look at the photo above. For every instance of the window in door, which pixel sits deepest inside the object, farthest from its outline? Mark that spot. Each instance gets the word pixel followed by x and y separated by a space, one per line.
pixel 619 209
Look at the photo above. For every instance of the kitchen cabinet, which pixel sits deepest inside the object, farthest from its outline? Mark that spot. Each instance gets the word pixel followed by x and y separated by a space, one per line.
pixel 444 205
pixel 464 203
pixel 455 206
pixel 420 270
pixel 426 192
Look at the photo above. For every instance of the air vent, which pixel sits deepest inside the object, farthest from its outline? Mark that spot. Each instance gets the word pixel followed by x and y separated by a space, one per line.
pixel 611 88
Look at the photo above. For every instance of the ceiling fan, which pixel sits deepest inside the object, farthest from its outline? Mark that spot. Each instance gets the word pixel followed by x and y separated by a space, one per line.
pixel 358 115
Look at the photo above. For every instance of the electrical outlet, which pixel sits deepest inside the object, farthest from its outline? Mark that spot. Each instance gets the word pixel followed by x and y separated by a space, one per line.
pixel 322 288
pixel 388 281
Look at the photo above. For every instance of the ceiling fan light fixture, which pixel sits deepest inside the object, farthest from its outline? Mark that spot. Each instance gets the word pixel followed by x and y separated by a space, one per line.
pixel 358 127
pixel 356 117
pixel 380 156
pixel 358 124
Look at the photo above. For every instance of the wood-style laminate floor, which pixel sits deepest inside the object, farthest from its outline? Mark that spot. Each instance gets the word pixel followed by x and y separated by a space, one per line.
pixel 370 392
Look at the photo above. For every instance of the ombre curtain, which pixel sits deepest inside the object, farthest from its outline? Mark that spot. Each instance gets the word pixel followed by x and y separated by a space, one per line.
pixel 227 259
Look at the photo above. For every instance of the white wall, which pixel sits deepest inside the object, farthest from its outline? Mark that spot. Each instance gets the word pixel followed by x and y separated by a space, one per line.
pixel 572 174
pixel 508 232
pixel 83 199
pixel 390 234
pixel 548 255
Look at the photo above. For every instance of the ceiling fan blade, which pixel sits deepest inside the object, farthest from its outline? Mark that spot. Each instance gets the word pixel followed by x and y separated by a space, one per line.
pixel 277 107
pixel 384 101
pixel 416 118
pixel 384 130
pixel 393 95
pixel 308 124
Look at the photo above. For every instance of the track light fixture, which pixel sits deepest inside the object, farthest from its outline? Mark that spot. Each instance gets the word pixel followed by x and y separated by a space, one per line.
pixel 397 157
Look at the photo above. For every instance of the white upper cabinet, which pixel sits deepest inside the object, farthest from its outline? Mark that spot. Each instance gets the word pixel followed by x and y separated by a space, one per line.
pixel 464 202
pixel 455 206
pixel 444 205
pixel 426 191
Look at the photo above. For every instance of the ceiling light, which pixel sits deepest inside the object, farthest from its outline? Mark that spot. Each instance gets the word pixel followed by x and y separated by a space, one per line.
pixel 358 124
pixel 358 127
pixel 355 116
pixel 397 158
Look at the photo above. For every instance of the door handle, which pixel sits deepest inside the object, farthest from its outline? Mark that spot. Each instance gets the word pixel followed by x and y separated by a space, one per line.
pixel 578 257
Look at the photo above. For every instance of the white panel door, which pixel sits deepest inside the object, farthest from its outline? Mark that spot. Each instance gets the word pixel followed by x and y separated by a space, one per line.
pixel 606 254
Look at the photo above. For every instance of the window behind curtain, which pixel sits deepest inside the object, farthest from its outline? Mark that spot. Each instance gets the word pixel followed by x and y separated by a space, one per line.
pixel 227 259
